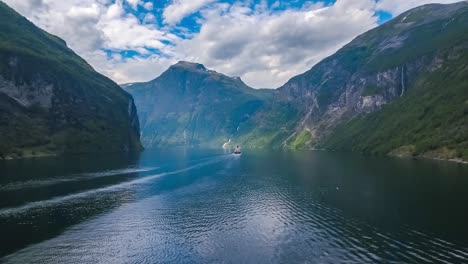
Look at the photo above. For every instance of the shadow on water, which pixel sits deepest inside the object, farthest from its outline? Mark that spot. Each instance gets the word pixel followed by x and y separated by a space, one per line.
pixel 23 229
pixel 40 198
pixel 386 192
pixel 199 206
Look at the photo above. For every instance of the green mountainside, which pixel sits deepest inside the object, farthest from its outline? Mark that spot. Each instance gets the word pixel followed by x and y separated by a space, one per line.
pixel 193 106
pixel 52 101
pixel 431 119
pixel 400 88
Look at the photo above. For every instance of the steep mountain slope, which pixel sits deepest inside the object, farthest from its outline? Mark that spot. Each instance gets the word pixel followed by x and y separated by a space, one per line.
pixel 411 72
pixel 52 101
pixel 191 105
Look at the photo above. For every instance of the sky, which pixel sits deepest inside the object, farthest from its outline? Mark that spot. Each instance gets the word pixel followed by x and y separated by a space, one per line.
pixel 265 42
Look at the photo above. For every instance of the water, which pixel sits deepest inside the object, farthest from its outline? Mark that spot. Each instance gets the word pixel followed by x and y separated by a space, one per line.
pixel 187 206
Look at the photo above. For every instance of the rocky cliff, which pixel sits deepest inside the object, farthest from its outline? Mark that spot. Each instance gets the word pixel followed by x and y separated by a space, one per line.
pixel 359 98
pixel 52 101
pixel 193 106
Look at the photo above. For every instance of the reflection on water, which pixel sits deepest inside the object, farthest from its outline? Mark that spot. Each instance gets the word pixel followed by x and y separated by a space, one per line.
pixel 208 206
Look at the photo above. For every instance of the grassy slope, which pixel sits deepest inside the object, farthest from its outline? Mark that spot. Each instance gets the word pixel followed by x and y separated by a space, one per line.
pixel 189 106
pixel 432 119
pixel 80 119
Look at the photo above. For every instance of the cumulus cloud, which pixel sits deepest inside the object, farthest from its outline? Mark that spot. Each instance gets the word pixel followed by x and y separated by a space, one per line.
pixel 133 3
pixel 148 6
pixel 396 7
pixel 125 70
pixel 268 48
pixel 179 9
pixel 92 26
pixel 25 6
pixel 263 43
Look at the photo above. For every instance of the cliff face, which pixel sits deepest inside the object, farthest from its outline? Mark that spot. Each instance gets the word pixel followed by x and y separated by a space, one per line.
pixel 394 63
pixel 52 101
pixel 191 105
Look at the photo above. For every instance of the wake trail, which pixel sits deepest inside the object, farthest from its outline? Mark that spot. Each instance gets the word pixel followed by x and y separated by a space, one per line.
pixel 61 199
pixel 77 177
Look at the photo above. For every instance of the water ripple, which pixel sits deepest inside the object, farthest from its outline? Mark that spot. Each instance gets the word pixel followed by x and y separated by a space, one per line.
pixel 222 213
pixel 73 178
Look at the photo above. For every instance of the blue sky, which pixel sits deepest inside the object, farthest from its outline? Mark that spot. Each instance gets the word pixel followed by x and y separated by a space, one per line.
pixel 265 42
pixel 192 26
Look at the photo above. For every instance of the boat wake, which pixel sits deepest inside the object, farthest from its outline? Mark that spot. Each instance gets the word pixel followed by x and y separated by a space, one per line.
pixel 124 185
pixel 77 177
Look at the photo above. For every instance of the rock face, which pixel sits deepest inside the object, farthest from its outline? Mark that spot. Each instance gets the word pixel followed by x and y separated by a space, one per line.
pixel 400 89
pixel 423 52
pixel 193 106
pixel 52 101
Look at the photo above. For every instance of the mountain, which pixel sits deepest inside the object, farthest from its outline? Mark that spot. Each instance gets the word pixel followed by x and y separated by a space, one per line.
pixel 191 105
pixel 401 88
pixel 397 89
pixel 52 101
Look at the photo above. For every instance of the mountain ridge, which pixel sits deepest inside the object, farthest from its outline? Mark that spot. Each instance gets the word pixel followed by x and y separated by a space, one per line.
pixel 397 89
pixel 335 103
pixel 191 105
pixel 374 70
pixel 53 101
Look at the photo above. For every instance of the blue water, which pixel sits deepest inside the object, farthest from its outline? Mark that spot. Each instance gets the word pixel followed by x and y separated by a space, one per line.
pixel 194 206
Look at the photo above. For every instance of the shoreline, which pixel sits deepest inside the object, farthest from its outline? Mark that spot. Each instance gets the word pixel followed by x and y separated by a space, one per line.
pixel 460 161
pixel 451 160
pixel 56 155
pixel 43 155
pixel 402 156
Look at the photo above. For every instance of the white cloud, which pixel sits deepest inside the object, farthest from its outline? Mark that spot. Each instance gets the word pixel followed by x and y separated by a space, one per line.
pixel 127 33
pixel 263 46
pixel 134 3
pixel 115 10
pixel 148 6
pixel 149 19
pixel 396 7
pixel 125 70
pixel 88 26
pixel 179 9
pixel 25 6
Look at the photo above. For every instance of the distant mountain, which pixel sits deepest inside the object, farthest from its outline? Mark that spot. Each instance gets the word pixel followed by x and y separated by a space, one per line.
pixel 52 101
pixel 401 88
pixel 398 89
pixel 193 106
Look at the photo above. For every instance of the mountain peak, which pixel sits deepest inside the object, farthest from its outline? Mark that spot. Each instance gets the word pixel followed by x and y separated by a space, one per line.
pixel 190 65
